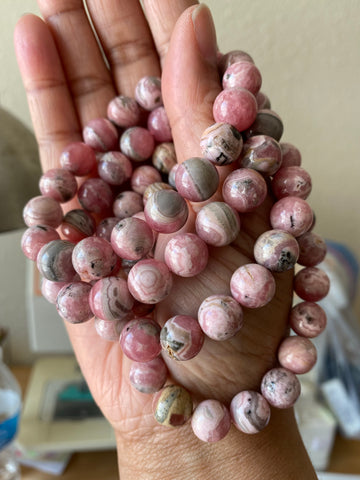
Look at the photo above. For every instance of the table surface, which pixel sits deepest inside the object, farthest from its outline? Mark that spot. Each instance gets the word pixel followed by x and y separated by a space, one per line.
pixel 345 457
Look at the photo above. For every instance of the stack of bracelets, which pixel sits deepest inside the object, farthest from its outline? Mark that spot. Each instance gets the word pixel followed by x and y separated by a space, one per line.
pixel 103 265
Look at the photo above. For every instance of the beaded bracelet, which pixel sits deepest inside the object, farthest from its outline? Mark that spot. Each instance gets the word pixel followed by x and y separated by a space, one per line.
pixel 106 268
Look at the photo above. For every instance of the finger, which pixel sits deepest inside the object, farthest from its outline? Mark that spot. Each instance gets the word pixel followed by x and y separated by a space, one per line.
pixel 127 41
pixel 87 74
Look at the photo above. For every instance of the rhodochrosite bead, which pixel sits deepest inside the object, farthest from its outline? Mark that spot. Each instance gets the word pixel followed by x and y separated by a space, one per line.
pixel 58 184
pixel 114 168
pixel 280 387
pixel 244 189
pixel 291 214
pixel 164 157
pixel 261 153
pixel 140 339
pixel 144 176
pixel 110 299
pixel 42 210
pixel 196 179
pixel 101 135
pixel 172 406
pixel 124 111
pixel 267 123
pixel 93 258
pixel 242 74
pixel 155 187
pixel 77 224
pixel 250 412
pixel 311 284
pixel 276 250
pixel 232 57
pixel 159 126
pixel 51 289
pixel 148 92
pixel 132 238
pixel 34 238
pixel 72 302
pixel 95 195
pixel 137 143
pixel 220 317
pixel 297 354
pixel 166 211
pixel 211 421
pixel 290 154
pixel 105 227
pixel 312 249
pixel 291 181
pixel 217 224
pixel 186 254
pixel 221 143
pixel 236 106
pixel 252 285
pixel 150 281
pixel 109 330
pixel 148 377
pixel 181 337
pixel 54 261
pixel 263 101
pixel 127 203
pixel 307 319
pixel 78 158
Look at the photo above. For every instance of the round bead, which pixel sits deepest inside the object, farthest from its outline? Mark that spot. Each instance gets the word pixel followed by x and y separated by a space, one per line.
pixel 54 261
pixel 267 123
pixel 109 330
pixel 262 153
pixel 252 285
pixel 72 302
pixel 95 195
pixel 307 319
pixel 172 175
pixel 232 57
pixel 137 143
pixel 220 317
pixel 181 337
pixel 244 189
pixel 77 224
pixel 148 92
pixel 242 74
pixel 51 289
pixel 217 224
pixel 140 339
pixel 263 101
pixel 291 155
pixel 312 249
pixel 236 106
pixel 148 377
pixel 124 111
pixel 291 181
pixel 196 179
pixel 34 238
pixel 59 184
pixel 159 126
pixel 291 214
pixel 186 254
pixel 311 284
pixel 172 406
pixel 155 187
pixel 101 135
pixel 150 281
pixel 144 176
pixel 132 238
pixel 211 421
pixel 276 250
pixel 250 412
pixel 127 203
pixel 105 227
pixel 164 157
pixel 280 387
pixel 94 258
pixel 297 354
pixel 221 143
pixel 166 211
pixel 110 299
pixel 78 158
pixel 114 168
pixel 42 211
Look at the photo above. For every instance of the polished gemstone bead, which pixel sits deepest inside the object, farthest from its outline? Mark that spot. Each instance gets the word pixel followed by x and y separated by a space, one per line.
pixel 94 258
pixel 59 184
pixel 267 122
pixel 166 211
pixel 110 299
pixel 159 126
pixel 104 228
pixel 101 135
pixel 155 187
pixel 137 143
pixel 250 412
pixel 244 189
pixel 50 290
pixel 132 238
pixel 150 281
pixel 280 387
pixel 220 317
pixel 261 153
pixel 217 224
pixel 42 210
pixel 291 214
pixel 308 319
pixel 144 176
pixel 114 168
pixel 172 175
pixel 95 195
pixel 78 158
pixel 291 181
pixel 54 261
pixel 124 111
pixel 297 354
pixel 263 101
pixel 186 254
pixel 242 74
pixel 196 179
pixel 109 330
pixel 211 421
pixel 291 155
pixel 142 309
pixel 164 157
pixel 311 284
pixel 312 249
pixel 172 406
pixel 252 285
pixel 77 224
pixel 181 337
pixel 72 302
pixel 148 377
pixel 221 143
pixel 34 238
pixel 232 57
pixel 140 339
pixel 127 203
pixel 236 106
pixel 276 250
pixel 148 92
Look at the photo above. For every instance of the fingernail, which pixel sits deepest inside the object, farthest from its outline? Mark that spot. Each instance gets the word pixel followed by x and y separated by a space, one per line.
pixel 205 33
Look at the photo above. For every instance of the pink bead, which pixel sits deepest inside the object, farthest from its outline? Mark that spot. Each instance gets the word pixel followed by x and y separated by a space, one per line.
pixel 110 299
pixel 140 340
pixel 94 258
pixel 252 285
pixel 263 101
pixel 78 158
pixel 311 284
pixel 148 377
pixel 291 181
pixel 211 421
pixel 276 250
pixel 101 135
pixel 148 92
pixel 132 238
pixel 144 176
pixel 172 175
pixel 186 254
pixel 232 57
pixel 242 74
pixel 77 224
pixel 150 281
pixel 297 354
pixel 291 214
pixel 308 319
pixel 124 111
pixel 42 211
pixel 312 249
pixel 105 227
pixel 114 168
pixel 159 126
pixel 164 157
pixel 267 122
pixel 127 203
pixel 54 261
pixel 280 387
pixel 51 289
pixel 137 143
pixel 109 330
pixel 220 317
pixel 166 211
pixel 181 337
pixel 155 187
pixel 244 189
pixel 196 179
pixel 73 302
pixel 250 412
pixel 261 153
pixel 59 184
pixel 95 195
pixel 291 155
pixel 34 238
pixel 236 106
pixel 217 224
pixel 221 143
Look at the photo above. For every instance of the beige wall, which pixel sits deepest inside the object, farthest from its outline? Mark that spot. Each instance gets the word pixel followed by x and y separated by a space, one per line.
pixel 308 53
